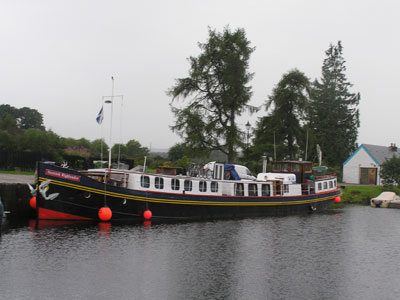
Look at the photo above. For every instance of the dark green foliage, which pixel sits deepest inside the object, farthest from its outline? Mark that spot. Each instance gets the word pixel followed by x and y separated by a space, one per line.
pixel 335 114
pixel 132 150
pixel 178 151
pixel 390 171
pixel 98 147
pixel 13 119
pixel 30 118
pixel 289 102
pixel 218 92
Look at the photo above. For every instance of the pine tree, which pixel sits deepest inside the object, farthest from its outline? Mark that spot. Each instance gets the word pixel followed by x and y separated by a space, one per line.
pixel 218 92
pixel 335 115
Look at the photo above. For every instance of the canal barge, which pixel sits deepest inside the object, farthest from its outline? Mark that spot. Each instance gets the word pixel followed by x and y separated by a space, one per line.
pixel 218 191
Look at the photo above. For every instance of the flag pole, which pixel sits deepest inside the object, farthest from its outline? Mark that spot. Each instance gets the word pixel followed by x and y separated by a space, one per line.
pixel 112 100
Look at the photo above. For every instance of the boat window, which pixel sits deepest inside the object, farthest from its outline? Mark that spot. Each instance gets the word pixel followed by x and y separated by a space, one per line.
pixel 295 168
pixel 159 183
pixel 214 187
pixel 265 190
pixel 334 183
pixel 325 185
pixel 276 167
pixel 286 188
pixel 239 189
pixel 285 167
pixel 175 184
pixel 319 186
pixel 307 168
pixel 330 184
pixel 144 181
pixel 253 189
pixel 203 186
pixel 188 185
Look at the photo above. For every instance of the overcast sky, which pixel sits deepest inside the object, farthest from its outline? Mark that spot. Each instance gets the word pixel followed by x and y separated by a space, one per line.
pixel 58 56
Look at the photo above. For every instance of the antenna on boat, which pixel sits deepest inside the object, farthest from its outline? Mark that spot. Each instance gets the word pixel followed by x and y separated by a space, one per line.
pixel 120 132
pixel 274 147
pixel 319 153
pixel 305 158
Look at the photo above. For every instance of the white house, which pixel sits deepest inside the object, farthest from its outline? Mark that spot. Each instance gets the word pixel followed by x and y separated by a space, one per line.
pixel 363 166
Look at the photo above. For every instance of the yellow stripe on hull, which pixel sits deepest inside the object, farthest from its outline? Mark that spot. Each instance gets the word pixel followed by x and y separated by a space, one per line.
pixel 186 202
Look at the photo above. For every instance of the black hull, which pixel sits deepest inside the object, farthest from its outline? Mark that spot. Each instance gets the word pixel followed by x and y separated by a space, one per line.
pixel 82 199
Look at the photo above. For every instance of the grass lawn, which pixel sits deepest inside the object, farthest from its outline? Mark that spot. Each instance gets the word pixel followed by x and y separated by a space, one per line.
pixel 17 172
pixel 363 194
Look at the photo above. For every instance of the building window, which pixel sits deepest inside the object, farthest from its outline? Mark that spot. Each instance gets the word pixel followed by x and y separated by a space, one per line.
pixel 253 190
pixel 214 187
pixel 239 189
pixel 265 190
pixel 144 181
pixel 188 185
pixel 203 186
pixel 159 183
pixel 175 184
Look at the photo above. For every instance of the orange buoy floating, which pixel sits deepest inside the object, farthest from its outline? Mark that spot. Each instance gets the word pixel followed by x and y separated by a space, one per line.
pixel 147 214
pixel 337 199
pixel 105 213
pixel 32 202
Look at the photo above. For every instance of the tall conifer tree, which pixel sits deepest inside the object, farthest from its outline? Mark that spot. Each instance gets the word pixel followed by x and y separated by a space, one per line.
pixel 218 92
pixel 335 114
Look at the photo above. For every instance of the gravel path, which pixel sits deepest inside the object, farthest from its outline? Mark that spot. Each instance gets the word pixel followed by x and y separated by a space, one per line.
pixel 12 178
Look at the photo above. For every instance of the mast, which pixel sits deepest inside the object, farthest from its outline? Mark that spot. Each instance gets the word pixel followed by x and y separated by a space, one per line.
pixel 112 100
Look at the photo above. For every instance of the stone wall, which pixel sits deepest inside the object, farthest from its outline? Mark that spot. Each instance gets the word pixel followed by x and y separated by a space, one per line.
pixel 15 197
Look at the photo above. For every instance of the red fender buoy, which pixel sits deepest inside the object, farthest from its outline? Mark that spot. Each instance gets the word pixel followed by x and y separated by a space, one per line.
pixel 32 202
pixel 147 214
pixel 105 213
pixel 337 199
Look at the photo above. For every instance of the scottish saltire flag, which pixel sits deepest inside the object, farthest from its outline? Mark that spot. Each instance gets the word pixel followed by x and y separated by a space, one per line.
pixel 99 117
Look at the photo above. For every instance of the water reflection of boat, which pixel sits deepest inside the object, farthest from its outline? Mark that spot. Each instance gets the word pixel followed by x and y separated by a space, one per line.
pixel 35 224
pixel 386 200
pixel 220 191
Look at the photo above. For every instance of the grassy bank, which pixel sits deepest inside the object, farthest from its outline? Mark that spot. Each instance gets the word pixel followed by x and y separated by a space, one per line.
pixel 363 194
pixel 17 172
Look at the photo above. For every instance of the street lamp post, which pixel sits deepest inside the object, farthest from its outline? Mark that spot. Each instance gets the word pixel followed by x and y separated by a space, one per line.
pixel 248 127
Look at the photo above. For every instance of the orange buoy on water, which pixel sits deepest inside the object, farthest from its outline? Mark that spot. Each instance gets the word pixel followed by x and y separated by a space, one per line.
pixel 32 202
pixel 147 214
pixel 105 213
pixel 337 199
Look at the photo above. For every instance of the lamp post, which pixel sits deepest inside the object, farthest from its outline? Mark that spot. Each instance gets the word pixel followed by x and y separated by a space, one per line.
pixel 248 127
pixel 110 100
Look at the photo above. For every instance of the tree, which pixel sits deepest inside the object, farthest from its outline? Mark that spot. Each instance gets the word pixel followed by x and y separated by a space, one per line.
pixel 335 115
pixel 289 101
pixel 97 147
pixel 177 152
pixel 30 118
pixel 218 92
pixel 135 150
pixel 390 171
pixel 23 118
pixel 8 119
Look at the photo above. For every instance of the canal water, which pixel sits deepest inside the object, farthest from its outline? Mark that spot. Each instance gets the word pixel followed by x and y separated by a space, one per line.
pixel 349 253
